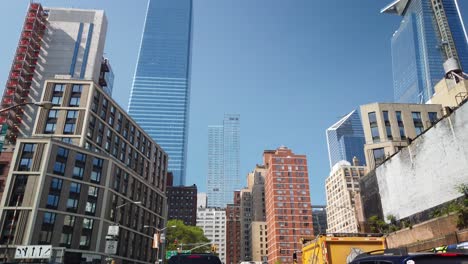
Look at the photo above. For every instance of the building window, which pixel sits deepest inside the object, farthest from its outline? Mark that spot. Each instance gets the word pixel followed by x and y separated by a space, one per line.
pixel 52 201
pixel 97 170
pixel 88 223
pixel 76 95
pixel 65 240
pixel 72 204
pixel 379 155
pixel 56 184
pixel 62 152
pixel 49 218
pixel 45 237
pixel 51 122
pixel 374 127
pixel 85 241
pixel 401 127
pixel 90 207
pixel 75 188
pixel 59 168
pixel 418 125
pixel 69 220
pixel 27 157
pixel 57 95
pixel 78 172
pixel 70 122
pixel 432 117
pixel 93 191
pixel 388 128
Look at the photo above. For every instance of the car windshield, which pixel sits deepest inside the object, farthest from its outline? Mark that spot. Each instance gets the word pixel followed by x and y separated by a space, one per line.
pixel 194 259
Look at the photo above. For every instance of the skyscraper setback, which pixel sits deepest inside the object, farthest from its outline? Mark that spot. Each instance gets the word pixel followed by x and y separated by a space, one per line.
pixel 223 161
pixel 430 33
pixel 159 99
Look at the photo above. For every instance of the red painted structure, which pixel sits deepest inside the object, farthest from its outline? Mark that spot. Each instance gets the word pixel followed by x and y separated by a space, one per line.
pixel 22 69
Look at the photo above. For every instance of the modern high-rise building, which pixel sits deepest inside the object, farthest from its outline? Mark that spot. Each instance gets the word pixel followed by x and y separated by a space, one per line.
pixel 58 43
pixel 430 33
pixel 213 222
pixel 84 169
pixel 160 96
pixel 287 203
pixel 345 139
pixel 342 187
pixel 223 161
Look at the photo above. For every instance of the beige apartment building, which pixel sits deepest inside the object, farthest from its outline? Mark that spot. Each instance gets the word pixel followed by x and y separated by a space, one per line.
pixel 390 126
pixel 259 241
pixel 342 187
pixel 450 93
pixel 84 168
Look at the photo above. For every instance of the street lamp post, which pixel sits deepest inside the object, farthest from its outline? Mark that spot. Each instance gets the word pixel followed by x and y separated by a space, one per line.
pixel 44 104
pixel 157 236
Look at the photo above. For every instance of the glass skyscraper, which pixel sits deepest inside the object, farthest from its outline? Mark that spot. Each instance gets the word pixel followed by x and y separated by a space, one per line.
pixel 223 161
pixel 345 139
pixel 159 100
pixel 431 32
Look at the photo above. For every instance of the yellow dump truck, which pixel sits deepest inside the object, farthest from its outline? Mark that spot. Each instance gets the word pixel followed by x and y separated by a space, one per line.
pixel 339 248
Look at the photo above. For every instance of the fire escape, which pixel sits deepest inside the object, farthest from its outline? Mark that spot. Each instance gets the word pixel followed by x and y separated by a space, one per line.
pixel 22 70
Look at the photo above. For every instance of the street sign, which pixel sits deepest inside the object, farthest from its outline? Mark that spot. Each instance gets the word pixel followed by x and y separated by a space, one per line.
pixel 163 237
pixel 111 247
pixel 33 252
pixel 156 240
pixel 113 230
pixel 171 253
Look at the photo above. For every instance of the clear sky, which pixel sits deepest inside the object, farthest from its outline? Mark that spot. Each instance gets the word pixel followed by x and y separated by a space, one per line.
pixel 290 68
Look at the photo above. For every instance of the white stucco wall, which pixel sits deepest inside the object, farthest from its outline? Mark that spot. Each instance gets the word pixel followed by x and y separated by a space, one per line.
pixel 425 174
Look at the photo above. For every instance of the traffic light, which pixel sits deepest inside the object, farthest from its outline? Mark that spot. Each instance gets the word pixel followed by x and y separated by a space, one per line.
pixel 213 248
pixel 176 242
pixel 294 257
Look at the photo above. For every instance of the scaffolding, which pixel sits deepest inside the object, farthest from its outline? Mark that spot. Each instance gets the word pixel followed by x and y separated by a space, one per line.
pixel 22 70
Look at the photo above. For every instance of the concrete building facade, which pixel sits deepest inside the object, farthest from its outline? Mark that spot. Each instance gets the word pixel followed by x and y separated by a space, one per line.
pixel 85 165
pixel 287 203
pixel 389 127
pixel 341 188
pixel 259 241
pixel 201 200
pixel 182 204
pixel 213 222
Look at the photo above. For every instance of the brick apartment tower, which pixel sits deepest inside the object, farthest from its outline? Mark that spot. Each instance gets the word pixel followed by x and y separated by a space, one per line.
pixel 233 230
pixel 288 207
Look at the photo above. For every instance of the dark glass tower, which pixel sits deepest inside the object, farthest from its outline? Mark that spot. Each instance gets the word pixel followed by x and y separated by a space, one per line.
pixel 159 100
pixel 431 32
pixel 345 139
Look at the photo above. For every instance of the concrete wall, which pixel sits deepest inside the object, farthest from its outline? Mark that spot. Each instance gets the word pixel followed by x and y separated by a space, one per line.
pixel 425 174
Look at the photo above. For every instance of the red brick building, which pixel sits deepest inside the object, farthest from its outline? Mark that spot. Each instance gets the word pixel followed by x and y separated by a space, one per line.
pixel 233 230
pixel 288 207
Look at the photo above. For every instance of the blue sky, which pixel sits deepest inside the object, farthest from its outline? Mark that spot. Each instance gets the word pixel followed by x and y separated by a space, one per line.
pixel 290 68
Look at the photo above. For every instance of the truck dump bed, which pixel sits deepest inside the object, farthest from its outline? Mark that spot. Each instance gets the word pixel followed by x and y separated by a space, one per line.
pixel 339 248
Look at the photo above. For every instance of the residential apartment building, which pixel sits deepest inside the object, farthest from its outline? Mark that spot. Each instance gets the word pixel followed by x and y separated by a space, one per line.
pixel 54 43
pixel 259 241
pixel 389 127
pixel 160 95
pixel 319 217
pixel 84 168
pixel 345 139
pixel 430 33
pixel 223 161
pixel 213 222
pixel 182 204
pixel 252 209
pixel 287 203
pixel 233 230
pixel 342 187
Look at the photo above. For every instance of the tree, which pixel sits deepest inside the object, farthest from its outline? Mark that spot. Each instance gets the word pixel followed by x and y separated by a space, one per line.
pixel 186 237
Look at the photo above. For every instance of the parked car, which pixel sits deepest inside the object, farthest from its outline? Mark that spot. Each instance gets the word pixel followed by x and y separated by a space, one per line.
pixel 400 256
pixel 198 258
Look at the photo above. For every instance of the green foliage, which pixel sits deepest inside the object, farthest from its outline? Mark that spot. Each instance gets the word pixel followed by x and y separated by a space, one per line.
pixel 278 261
pixel 187 237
